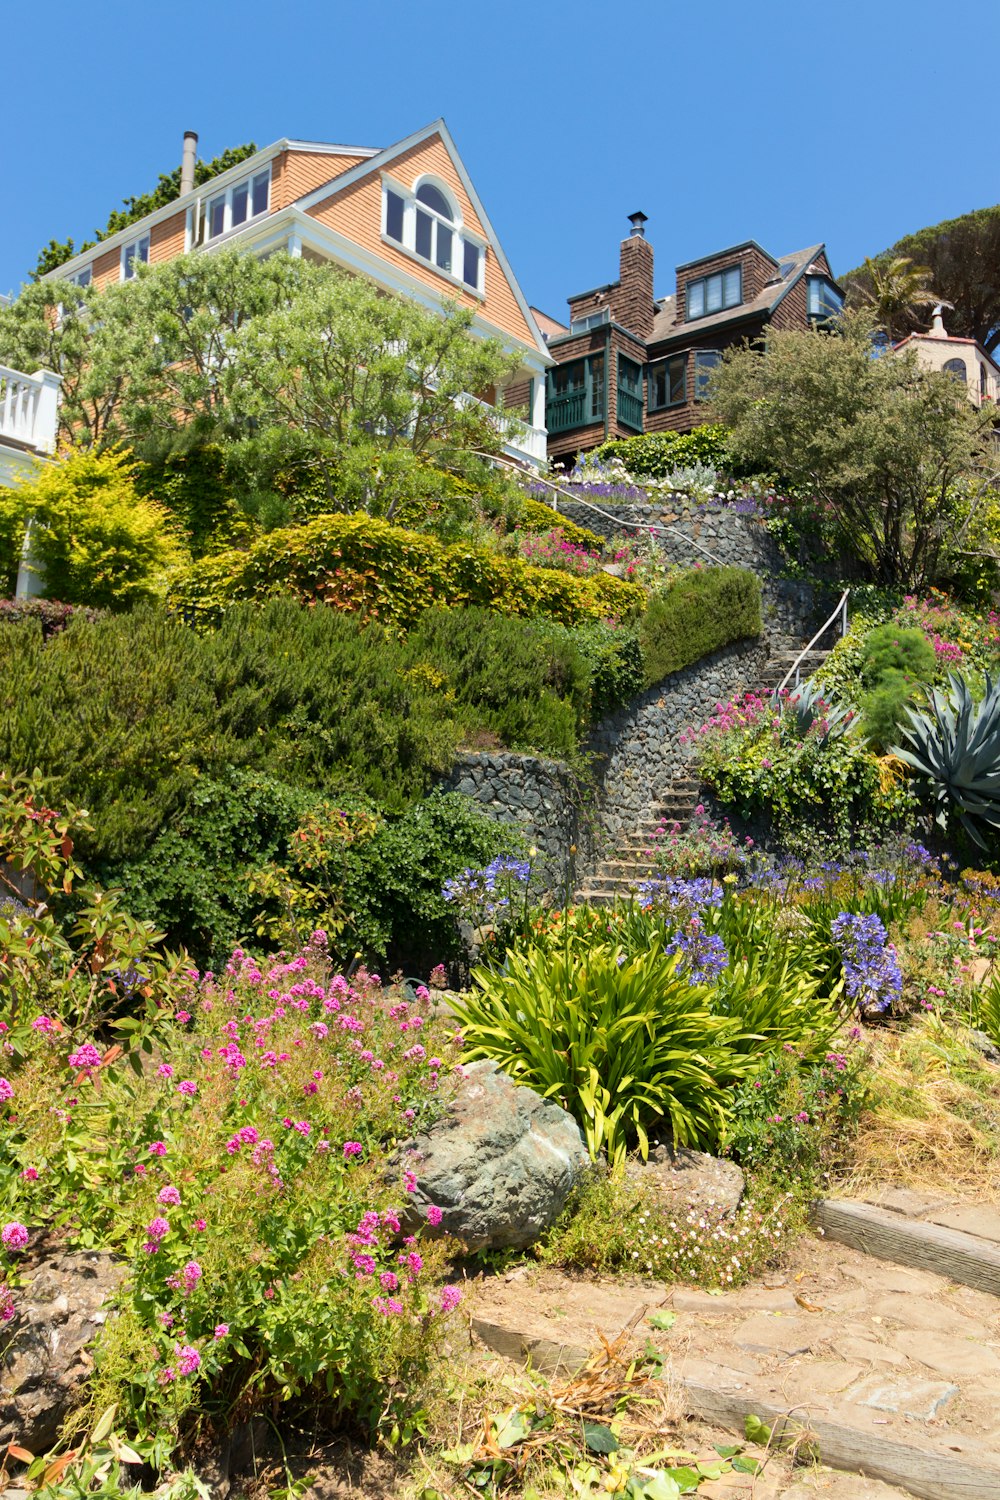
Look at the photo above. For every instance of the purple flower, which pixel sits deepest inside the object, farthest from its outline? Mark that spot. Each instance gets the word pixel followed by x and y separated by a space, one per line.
pixel 86 1056
pixel 14 1235
pixel 169 1197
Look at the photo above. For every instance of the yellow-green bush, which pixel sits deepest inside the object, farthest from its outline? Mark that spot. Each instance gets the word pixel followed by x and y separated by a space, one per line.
pixel 94 539
pixel 535 515
pixel 364 565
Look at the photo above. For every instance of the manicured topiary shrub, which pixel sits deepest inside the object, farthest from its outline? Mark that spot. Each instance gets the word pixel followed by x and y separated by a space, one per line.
pixel 703 610
pixel 365 566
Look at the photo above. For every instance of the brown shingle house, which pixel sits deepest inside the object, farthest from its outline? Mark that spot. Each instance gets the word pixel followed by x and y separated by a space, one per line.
pixel 629 363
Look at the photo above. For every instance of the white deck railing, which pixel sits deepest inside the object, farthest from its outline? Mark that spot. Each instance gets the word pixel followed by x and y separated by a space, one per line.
pixel 29 408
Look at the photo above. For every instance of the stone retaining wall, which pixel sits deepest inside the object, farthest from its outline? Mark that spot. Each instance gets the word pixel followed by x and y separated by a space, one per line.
pixel 541 798
pixel 639 746
pixel 791 609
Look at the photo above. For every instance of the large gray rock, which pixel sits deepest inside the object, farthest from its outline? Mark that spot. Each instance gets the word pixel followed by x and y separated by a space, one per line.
pixel 500 1164
pixel 46 1363
pixel 679 1180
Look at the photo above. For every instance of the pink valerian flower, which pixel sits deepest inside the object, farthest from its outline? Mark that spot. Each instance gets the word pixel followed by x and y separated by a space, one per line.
pixel 188 1359
pixel 388 1306
pixel 183 1017
pixel 14 1236
pixel 188 1087
pixel 434 1215
pixel 7 1308
pixel 165 1070
pixel 6 1090
pixel 221 1329
pixel 451 1296
pixel 43 1023
pixel 87 1057
pixel 389 1281
pixel 157 1148
pixel 200 1224
pixel 158 1228
pixel 409 1182
pixel 169 1197
pixel 30 1174
pixel 352 1148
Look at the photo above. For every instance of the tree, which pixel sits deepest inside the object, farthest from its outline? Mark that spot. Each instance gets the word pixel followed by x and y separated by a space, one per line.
pixel 898 459
pixel 896 295
pixel 362 386
pixel 962 258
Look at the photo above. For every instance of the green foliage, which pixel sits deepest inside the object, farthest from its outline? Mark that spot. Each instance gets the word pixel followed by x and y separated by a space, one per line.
pixel 190 480
pixel 368 566
pixel 657 454
pixel 954 745
pixel 890 455
pixel 625 1044
pixel 535 515
pixel 167 189
pixel 614 656
pixel 962 259
pixel 94 540
pixel 889 648
pixel 701 611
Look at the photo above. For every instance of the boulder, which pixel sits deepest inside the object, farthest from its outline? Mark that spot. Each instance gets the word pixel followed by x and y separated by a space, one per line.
pixel 679 1180
pixel 45 1363
pixel 500 1164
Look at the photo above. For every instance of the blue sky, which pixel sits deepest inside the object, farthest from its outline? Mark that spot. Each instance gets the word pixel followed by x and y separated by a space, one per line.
pixel 850 123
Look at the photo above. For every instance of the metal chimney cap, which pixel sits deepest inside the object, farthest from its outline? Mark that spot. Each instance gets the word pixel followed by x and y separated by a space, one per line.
pixel 191 135
pixel 638 221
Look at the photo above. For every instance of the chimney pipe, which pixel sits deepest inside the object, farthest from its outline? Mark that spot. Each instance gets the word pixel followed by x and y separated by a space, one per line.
pixel 638 223
pixel 188 161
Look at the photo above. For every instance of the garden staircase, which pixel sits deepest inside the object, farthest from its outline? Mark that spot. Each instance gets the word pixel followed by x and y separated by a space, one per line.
pixel 619 876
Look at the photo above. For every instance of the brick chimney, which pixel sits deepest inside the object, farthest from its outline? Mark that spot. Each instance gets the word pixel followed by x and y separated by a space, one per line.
pixel 634 295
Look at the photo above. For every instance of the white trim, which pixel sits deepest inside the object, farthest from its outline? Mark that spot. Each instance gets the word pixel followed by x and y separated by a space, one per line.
pixel 135 243
pixel 252 165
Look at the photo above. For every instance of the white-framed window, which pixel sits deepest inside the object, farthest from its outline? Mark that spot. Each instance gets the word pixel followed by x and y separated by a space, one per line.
pixel 233 206
pixel 82 278
pixel 427 223
pixel 592 320
pixel 135 251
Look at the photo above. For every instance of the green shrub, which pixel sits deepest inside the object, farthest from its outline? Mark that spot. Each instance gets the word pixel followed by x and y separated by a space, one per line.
pixel 535 515
pixel 891 648
pixel 616 669
pixel 191 482
pixel 657 454
pixel 701 611
pixel 94 539
pixel 626 1044
pixel 363 565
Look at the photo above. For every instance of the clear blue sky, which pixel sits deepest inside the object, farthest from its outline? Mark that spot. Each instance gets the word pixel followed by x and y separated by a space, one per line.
pixel 850 123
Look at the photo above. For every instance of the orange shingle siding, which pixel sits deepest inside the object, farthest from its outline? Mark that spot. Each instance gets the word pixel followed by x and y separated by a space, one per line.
pixel 166 239
pixel 107 268
pixel 295 173
pixel 356 212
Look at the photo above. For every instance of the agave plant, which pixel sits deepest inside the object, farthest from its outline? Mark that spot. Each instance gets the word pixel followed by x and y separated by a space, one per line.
pixel 955 745
pixel 807 705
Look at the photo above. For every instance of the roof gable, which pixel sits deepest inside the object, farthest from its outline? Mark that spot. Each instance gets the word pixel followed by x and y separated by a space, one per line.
pixel 339 187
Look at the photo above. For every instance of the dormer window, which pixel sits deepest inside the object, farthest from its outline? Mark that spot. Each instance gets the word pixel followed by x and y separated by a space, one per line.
pixel 824 300
pixel 227 210
pixel 134 253
pixel 592 320
pixel 715 293
pixel 427 224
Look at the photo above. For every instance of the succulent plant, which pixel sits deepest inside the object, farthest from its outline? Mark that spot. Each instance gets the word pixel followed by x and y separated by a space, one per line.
pixel 955 745
pixel 809 703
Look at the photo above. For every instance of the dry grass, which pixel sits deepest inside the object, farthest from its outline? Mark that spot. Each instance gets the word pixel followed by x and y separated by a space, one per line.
pixel 934 1122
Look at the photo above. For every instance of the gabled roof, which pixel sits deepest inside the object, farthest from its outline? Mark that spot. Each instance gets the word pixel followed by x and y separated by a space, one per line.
pixel 381 159
pixel 666 326
pixel 935 339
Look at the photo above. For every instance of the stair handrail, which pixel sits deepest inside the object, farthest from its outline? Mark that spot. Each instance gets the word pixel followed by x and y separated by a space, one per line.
pixel 841 610
pixel 576 500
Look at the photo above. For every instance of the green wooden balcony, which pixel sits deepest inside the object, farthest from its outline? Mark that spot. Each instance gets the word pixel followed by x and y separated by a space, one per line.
pixel 629 409
pixel 575 409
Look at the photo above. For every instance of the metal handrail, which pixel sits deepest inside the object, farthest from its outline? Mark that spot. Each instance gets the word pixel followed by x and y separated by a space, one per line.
pixel 598 511
pixel 840 609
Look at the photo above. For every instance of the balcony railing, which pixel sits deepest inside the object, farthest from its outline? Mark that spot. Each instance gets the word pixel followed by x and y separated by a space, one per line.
pixel 29 409
pixel 562 413
pixel 629 409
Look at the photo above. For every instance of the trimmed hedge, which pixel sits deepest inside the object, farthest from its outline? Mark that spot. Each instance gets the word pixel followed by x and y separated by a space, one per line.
pixel 657 454
pixel 368 567
pixel 702 611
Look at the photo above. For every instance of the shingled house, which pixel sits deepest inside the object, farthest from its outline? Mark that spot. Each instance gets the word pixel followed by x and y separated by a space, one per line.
pixel 630 363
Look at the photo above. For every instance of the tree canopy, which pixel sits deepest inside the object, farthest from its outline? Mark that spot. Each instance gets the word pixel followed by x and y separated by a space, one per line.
pixel 962 258
pixel 56 253
pixel 899 463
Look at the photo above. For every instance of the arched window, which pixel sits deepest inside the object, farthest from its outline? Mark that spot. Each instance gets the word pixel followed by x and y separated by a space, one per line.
pixel 956 368
pixel 435 221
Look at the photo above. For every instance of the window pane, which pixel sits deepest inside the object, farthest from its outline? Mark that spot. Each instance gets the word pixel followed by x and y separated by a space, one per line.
pixel 261 183
pixel 129 262
pixel 424 225
pixel 566 378
pixel 732 286
pixel 143 249
pixel 705 361
pixel 241 203
pixel 596 363
pixel 470 272
pixel 678 383
pixel 713 292
pixel 629 375
pixel 435 199
pixel 443 256
pixel 394 216
pixel 84 277
pixel 696 299
pixel 216 216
